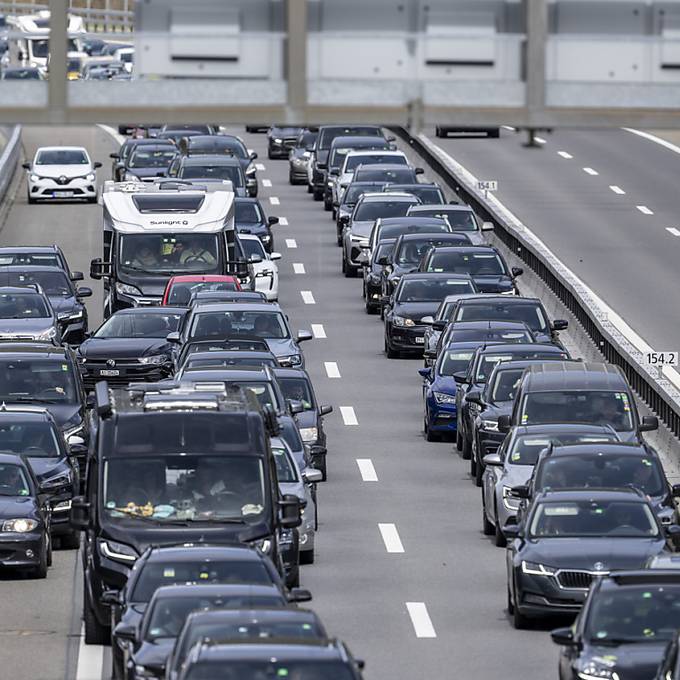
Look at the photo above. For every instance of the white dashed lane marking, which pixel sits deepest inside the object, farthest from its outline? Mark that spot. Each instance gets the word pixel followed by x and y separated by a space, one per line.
pixel 617 190
pixel 644 209
pixel 283 221
pixel 318 331
pixel 590 171
pixel 564 154
pixel 307 297
pixel 348 415
pixel 260 166
pixel 390 537
pixel 90 660
pixel 540 140
pixel 422 624
pixel 332 370
pixel 673 231
pixel 367 470
pixel 266 182
pixel 291 243
pixel 274 200
pixel 299 268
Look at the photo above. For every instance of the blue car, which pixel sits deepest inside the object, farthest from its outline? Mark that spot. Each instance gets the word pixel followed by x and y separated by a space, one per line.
pixel 439 389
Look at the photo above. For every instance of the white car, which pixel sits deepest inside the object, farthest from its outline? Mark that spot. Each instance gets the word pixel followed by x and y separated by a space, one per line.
pixel 59 172
pixel 127 56
pixel 264 267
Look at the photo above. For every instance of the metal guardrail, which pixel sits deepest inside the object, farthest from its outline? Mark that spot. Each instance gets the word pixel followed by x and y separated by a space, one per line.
pixel 602 325
pixel 9 159
pixel 96 20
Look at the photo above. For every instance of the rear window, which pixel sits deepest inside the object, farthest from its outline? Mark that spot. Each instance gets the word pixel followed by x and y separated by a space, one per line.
pixel 487 263
pixel 61 157
pixel 353 162
pixel 327 135
pixel 531 314
pixel 526 448
pixel 179 203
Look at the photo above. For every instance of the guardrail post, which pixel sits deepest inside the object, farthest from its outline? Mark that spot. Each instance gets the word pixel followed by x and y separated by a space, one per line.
pixel 57 90
pixel 296 59
pixel 537 36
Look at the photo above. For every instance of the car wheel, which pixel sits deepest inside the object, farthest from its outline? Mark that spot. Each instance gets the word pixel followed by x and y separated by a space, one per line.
pixel 339 239
pixel 511 607
pixel 347 269
pixel 48 538
pixel 429 435
pixel 31 200
pixel 370 309
pixel 487 527
pixel 467 451
pixel 95 633
pixel 334 214
pixel 500 539
pixel 40 571
pixel 318 194
pixel 71 541
pixel 307 556
pixel 327 204
pixel 293 578
pixel 269 156
pixel 117 663
pixel 310 188
pixel 391 354
pixel 459 440
pixel 290 178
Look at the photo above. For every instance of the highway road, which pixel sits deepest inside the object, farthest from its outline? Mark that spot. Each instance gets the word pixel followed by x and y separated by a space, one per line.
pixel 403 572
pixel 606 202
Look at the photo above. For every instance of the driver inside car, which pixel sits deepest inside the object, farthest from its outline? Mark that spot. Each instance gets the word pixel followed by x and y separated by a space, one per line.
pixel 196 252
pixel 145 256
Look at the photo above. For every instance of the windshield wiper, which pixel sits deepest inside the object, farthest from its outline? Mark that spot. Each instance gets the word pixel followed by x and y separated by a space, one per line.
pixel 613 642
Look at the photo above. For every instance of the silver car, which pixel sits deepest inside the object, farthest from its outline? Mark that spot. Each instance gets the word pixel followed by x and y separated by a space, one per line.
pixel 514 463
pixel 460 217
pixel 303 485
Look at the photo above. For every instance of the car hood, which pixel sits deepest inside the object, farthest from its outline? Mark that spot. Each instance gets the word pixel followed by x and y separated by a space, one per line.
pixel 362 228
pixel 516 475
pixel 415 310
pixel 445 383
pixel 306 419
pixel 47 467
pixel 285 132
pixel 13 507
pixel 59 170
pixel 63 414
pixel 635 661
pixel 149 285
pixel 583 553
pixel 493 284
pixel 148 172
pixel 475 237
pixel 282 348
pixel 118 348
pixel 63 304
pixel 17 327
pixel 153 655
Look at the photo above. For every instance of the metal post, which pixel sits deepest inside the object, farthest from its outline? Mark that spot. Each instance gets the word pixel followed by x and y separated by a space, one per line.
pixel 296 58
pixel 57 94
pixel 537 34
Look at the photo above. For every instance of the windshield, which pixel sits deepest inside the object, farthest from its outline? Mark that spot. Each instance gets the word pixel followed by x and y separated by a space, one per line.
pixel 383 250
pixel 425 194
pixel 37 379
pixel 505 384
pixel 474 264
pixel 259 669
pixel 231 172
pixel 508 337
pixel 372 210
pixel 578 406
pixel 40 259
pixel 525 449
pixel 52 282
pixel 411 252
pixel 395 176
pixel 327 135
pixel 151 325
pixel 61 157
pixel 285 469
pixel 169 253
pixel 615 519
pixel 634 613
pixel 202 363
pixel 143 157
pixel 353 162
pixel 298 389
pixel 253 246
pixel 185 487
pixel 454 361
pixel 21 74
pixel 355 191
pixel 248 213
pixel 433 290
pixel 599 470
pixel 531 314
pixel 23 306
pixel 13 481
pixel 35 439
pixel 232 324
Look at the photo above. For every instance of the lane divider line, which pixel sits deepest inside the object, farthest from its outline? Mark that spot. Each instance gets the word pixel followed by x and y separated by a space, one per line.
pixel 367 470
pixel 564 154
pixel 653 138
pixel 274 200
pixel 266 182
pixel 617 190
pixel 591 172
pixel 332 370
pixel 299 268
pixel 291 243
pixel 644 209
pixel 318 331
pixel 390 537
pixel 307 297
pixel 283 221
pixel 422 624
pixel 673 231
pixel 540 140
pixel 260 166
pixel 348 415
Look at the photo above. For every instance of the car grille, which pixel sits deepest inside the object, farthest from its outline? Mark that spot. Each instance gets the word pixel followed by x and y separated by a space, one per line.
pixel 289 142
pixel 575 579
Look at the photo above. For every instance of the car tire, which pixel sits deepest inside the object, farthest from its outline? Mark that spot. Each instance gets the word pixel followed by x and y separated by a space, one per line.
pixel 459 440
pixel 307 556
pixel 510 605
pixel 389 352
pixel 31 200
pixel 48 538
pixel 479 471
pixel 95 633
pixel 327 204
pixel 467 451
pixel 70 541
pixel 429 435
pixel 499 536
pixel 40 570
pixel 334 214
pixel 310 188
pixel 473 464
pixel 487 527
pixel 370 309
pixel 318 194
pixel 494 134
pixel 519 621
pixel 293 578
pixel 252 193
pixel 339 239
pixel 269 155
pixel 291 181
pixel 117 663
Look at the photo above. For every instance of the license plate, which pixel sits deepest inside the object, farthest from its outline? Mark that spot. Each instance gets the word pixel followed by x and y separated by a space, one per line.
pixel 109 372
pixel 62 194
pixel 420 340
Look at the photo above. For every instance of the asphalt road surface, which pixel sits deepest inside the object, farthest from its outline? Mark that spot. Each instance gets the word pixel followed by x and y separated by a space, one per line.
pixel 403 572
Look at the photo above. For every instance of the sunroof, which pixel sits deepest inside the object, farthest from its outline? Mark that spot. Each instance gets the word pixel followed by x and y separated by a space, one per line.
pixel 149 203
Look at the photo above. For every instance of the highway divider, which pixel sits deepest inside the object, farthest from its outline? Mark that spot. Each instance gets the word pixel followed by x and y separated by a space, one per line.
pixel 658 387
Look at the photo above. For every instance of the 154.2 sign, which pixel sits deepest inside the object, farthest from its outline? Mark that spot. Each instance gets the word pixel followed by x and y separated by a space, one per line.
pixel 661 358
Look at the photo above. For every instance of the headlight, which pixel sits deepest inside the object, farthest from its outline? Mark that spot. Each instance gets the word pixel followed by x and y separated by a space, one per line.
pixel 153 359
pixel 129 177
pixel 127 289
pixel 263 545
pixel 49 334
pixel 264 274
pixel 19 526
pixel 58 480
pixel 309 434
pixel 143 672
pixel 117 551
pixel 402 321
pixel 63 506
pixel 277 140
pixel 74 429
pixel 330 183
pixel 34 178
pixel 70 316
pixel 298 161
pixel 490 425
pixel 91 177
pixel 509 501
pixel 265 238
pixel 443 398
pixel 596 671
pixel 537 569
pixel 291 360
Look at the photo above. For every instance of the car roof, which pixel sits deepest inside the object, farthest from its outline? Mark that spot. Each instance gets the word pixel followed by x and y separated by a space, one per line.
pixel 446 236
pixel 363 140
pixel 230 354
pixel 33 348
pixel 465 249
pixel 487 325
pixel 29 249
pixel 399 186
pixel 212 159
pixel 213 589
pixel 283 650
pixel 254 615
pixel 372 152
pixel 291 373
pixel 424 221
pixel 239 373
pixel 61 148
pixel 25 412
pixel 18 290
pixel 247 199
pixel 493 348
pixel 507 299
pixel 591 494
pixel 150 310
pixel 236 307
pixel 575 375
pixel 427 276
pixel 602 449
pixel 12 458
pixel 190 552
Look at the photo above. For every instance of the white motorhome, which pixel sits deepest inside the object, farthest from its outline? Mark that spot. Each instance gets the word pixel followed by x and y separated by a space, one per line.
pixel 154 231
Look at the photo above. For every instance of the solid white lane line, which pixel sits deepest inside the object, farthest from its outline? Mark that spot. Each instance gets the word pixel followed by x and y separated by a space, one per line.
pixel 390 537
pixel 274 200
pixel 259 166
pixel 299 268
pixel 367 470
pixel 653 138
pixel 348 415
pixel 291 243
pixel 617 190
pixel 644 209
pixel 673 231
pixel 283 221
pixel 90 660
pixel 508 127
pixel 564 154
pixel 266 182
pixel 113 132
pixel 307 297
pixel 540 140
pixel 332 370
pixel 422 624
pixel 318 331
pixel 590 171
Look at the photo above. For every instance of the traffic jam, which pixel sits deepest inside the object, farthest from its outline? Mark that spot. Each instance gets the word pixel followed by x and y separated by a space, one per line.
pixel 180 446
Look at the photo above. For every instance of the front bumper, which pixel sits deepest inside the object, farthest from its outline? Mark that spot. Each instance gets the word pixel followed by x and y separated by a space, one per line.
pixel 299 172
pixel 441 417
pixel 48 188
pixel 128 371
pixel 405 338
pixel 21 550
pixel 540 596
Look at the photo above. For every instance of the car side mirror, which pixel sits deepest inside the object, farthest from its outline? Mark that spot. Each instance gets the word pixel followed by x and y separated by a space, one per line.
pixel 125 632
pixel 290 511
pixel 79 517
pixel 303 336
pixel 425 372
pixel 563 636
pixel 420 171
pixel 111 597
pixel 115 156
pixel 99 269
pixel 460 377
pixel 439 325
pixel 649 424
pixel 504 423
pixel 672 530
pixel 26 166
pixel 253 155
pixel 299 595
pixel 520 491
pixel 487 226
pixel 272 220
pixel 517 271
pixel 475 397
pixel 173 337
pixel 427 320
pixel 560 325
pixel 295 406
pixel 83 292
pixel 97 164
pixel 312 475
pixel 76 276
pixel 383 261
pixel 274 256
pixel 344 219
pixel 675 490
pixel 325 409
pixel 511 531
pixel 492 459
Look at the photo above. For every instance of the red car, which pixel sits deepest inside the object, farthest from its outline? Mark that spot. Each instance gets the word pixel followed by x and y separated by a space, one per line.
pixel 179 290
